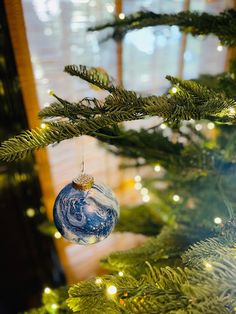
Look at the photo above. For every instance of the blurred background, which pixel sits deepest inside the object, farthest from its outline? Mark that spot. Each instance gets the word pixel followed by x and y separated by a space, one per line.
pixel 37 39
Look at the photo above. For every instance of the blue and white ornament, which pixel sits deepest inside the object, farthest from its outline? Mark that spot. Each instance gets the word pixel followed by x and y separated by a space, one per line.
pixel 85 212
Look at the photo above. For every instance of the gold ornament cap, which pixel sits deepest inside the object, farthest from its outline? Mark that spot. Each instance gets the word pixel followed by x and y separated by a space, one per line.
pixel 83 182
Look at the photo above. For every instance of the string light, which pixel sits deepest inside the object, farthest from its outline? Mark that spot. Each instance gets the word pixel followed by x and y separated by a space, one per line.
pixel 57 235
pixel 198 127
pixel 138 186
pixel 210 125
pixel 163 126
pixel 208 265
pixel 157 168
pixel 50 92
pixel 121 274
pixel 144 191
pixel 121 16
pixel 219 48
pixel 146 198
pixel 217 220
pixel 43 125
pixel 112 290
pixel 232 110
pixel 98 281
pixel 176 198
pixel 174 89
pixel 30 212
pixel 54 306
pixel 47 290
pixel 137 178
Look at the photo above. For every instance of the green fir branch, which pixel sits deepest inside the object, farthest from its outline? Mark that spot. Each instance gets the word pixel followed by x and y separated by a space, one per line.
pixel 223 25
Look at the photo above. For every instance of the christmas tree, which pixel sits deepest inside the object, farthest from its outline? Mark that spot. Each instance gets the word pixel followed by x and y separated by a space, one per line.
pixel 188 265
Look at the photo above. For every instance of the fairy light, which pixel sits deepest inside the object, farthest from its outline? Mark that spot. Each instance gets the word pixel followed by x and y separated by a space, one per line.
pixel 111 290
pixel 231 110
pixel 174 90
pixel 138 186
pixel 43 125
pixel 163 126
pixel 146 198
pixel 50 92
pixel 54 306
pixel 137 178
pixel 144 191
pixel 219 48
pixel 30 212
pixel 176 198
pixel 121 274
pixel 217 220
pixel 208 265
pixel 46 104
pixel 98 281
pixel 210 125
pixel 157 168
pixel 198 127
pixel 121 16
pixel 57 235
pixel 47 290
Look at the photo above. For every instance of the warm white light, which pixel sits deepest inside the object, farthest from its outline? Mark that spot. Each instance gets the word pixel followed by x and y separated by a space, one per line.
pixel 144 191
pixel 146 198
pixel 30 212
pixel 98 281
pixel 121 274
pixel 163 126
pixel 121 16
pixel 42 125
pixel 176 198
pixel 210 125
pixel 217 220
pixel 57 235
pixel 174 89
pixel 54 306
pixel 219 48
pixel 198 127
pixel 232 110
pixel 138 186
pixel 47 290
pixel 157 168
pixel 50 92
pixel 112 290
pixel 208 265
pixel 110 8
pixel 137 178
pixel 46 104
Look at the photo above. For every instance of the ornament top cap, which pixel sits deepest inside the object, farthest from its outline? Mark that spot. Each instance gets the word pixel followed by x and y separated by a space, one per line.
pixel 83 182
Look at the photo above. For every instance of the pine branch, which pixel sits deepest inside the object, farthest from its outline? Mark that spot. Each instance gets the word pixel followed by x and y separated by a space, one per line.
pixel 192 101
pixel 223 25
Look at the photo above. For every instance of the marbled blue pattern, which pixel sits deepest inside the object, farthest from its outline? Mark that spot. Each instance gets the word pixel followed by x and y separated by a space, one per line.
pixel 86 217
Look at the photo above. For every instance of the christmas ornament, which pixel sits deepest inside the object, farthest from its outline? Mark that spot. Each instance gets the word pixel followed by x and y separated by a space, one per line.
pixel 85 212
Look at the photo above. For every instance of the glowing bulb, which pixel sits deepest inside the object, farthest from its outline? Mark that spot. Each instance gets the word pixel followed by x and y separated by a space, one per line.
pixel 176 198
pixel 232 110
pixel 47 290
pixel 50 92
pixel 157 168
pixel 217 220
pixel 46 104
pixel 210 125
pixel 137 178
pixel 208 265
pixel 138 186
pixel 144 191
pixel 54 306
pixel 57 235
pixel 43 125
pixel 174 90
pixel 121 16
pixel 163 126
pixel 146 198
pixel 110 8
pixel 112 290
pixel 121 274
pixel 198 127
pixel 98 281
pixel 30 212
pixel 219 48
